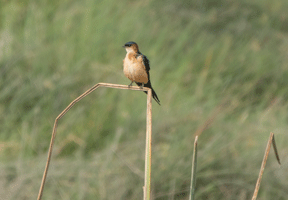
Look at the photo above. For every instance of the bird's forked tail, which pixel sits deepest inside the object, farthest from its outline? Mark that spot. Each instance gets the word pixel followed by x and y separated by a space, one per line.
pixel 154 95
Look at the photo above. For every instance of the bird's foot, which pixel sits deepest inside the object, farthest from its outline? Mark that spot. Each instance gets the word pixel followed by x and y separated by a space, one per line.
pixel 142 86
pixel 130 84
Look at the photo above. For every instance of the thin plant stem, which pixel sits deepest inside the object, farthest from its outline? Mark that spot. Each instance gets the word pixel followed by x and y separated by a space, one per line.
pixel 193 173
pixel 108 85
pixel 263 166
pixel 147 181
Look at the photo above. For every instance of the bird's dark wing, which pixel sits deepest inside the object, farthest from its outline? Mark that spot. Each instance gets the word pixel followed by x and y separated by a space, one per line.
pixel 146 63
pixel 148 84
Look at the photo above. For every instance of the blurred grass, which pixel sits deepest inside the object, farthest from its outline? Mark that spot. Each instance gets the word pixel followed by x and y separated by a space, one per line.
pixel 203 54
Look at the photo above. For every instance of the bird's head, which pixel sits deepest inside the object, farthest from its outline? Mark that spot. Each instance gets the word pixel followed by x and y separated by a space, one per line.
pixel 131 47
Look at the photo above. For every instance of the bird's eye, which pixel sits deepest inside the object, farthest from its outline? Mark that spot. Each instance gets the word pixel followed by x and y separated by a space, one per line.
pixel 129 45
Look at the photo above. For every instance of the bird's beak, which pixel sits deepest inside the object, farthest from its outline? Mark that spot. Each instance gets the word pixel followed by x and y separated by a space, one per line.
pixel 123 46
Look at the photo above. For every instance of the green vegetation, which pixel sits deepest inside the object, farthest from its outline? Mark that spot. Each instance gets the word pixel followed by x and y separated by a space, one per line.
pixel 222 61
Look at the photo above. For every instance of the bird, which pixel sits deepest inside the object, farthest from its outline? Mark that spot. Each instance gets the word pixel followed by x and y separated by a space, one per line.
pixel 136 67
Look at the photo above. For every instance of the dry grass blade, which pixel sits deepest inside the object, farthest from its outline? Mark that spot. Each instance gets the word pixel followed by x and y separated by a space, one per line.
pixel 263 166
pixel 193 174
pixel 275 150
pixel 109 85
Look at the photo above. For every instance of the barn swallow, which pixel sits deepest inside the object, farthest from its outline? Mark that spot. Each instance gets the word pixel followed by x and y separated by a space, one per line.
pixel 136 67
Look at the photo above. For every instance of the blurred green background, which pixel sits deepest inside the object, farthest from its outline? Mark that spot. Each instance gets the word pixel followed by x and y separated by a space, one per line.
pixel 219 68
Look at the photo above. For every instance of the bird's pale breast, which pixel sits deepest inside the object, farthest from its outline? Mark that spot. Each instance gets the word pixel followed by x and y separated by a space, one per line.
pixel 134 69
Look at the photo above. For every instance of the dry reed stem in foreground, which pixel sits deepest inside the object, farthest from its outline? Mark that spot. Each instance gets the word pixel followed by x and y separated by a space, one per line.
pixel 149 130
pixel 147 180
pixel 271 139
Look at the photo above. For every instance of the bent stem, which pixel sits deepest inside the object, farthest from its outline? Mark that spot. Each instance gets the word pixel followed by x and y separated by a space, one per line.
pixel 108 85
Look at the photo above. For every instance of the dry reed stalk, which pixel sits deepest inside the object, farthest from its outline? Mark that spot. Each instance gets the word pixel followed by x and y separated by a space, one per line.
pixel 147 181
pixel 193 173
pixel 109 85
pixel 271 140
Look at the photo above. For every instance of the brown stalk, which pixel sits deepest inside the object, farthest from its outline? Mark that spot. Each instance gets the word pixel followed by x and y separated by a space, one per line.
pixel 109 85
pixel 147 180
pixel 271 140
